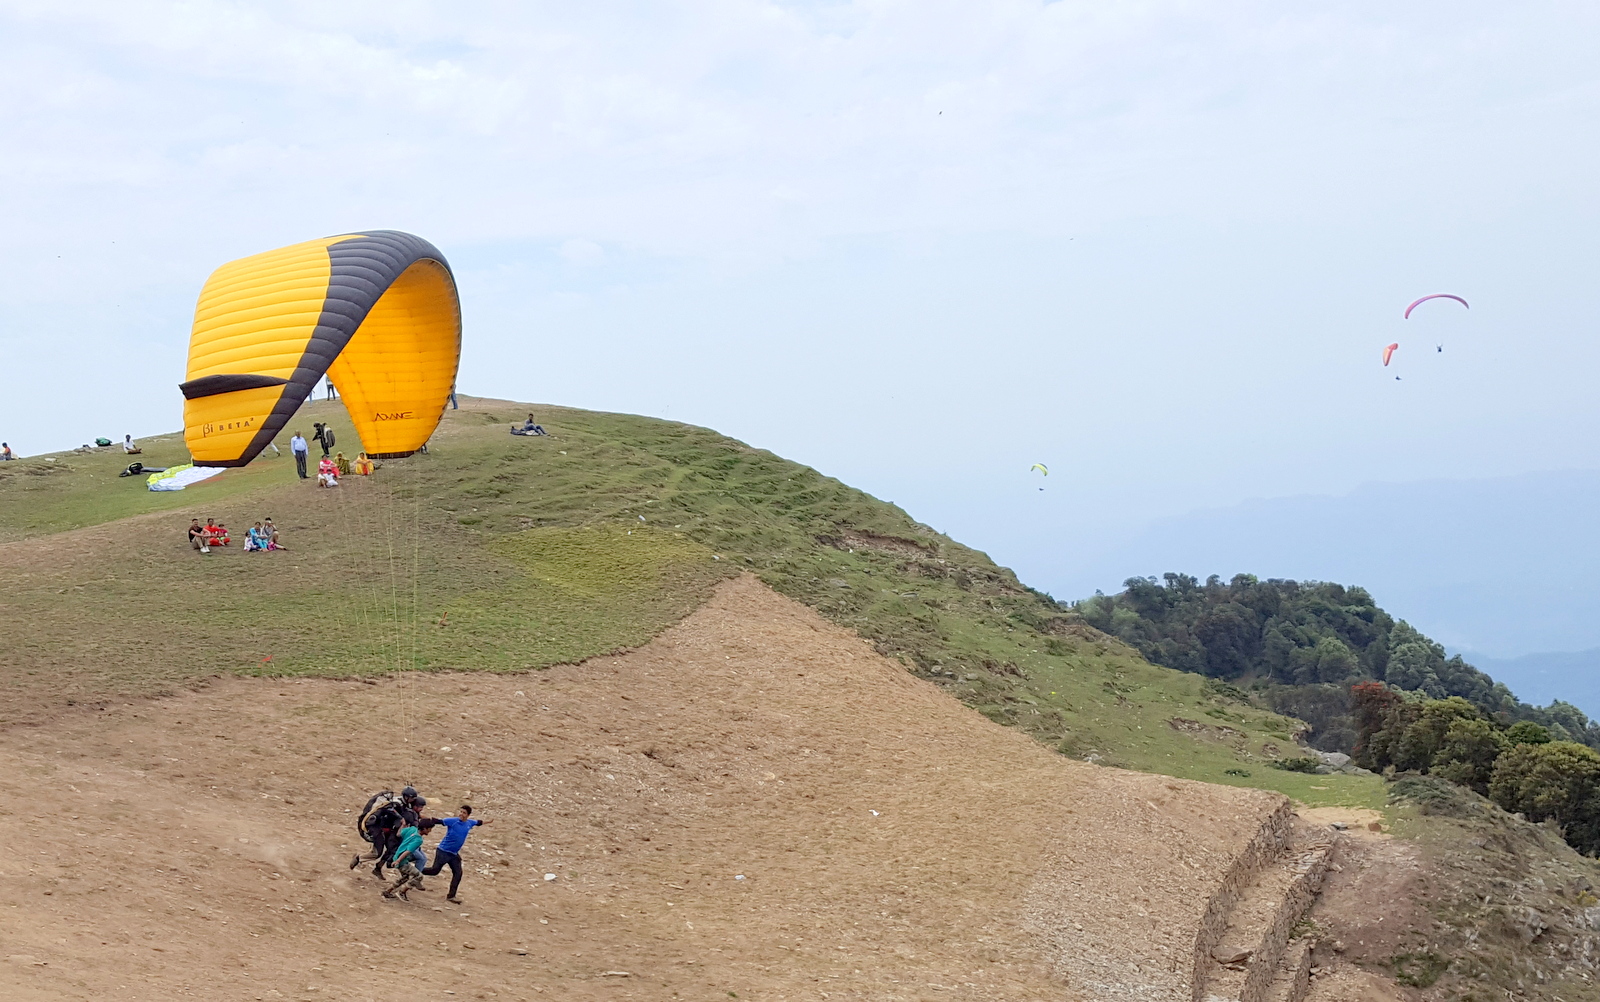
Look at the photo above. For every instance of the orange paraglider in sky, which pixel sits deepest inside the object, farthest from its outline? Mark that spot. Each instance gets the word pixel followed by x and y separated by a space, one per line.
pixel 1388 352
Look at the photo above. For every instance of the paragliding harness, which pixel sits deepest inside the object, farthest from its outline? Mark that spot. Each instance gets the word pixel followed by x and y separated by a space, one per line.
pixel 367 821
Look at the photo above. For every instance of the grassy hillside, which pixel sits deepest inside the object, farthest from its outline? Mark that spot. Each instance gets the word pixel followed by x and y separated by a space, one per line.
pixel 502 553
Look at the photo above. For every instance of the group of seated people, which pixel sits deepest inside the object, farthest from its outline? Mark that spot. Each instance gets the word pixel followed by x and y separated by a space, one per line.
pixel 261 536
pixel 204 537
pixel 331 468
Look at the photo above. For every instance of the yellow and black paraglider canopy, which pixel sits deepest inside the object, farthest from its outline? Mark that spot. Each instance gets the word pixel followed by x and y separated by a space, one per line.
pixel 376 312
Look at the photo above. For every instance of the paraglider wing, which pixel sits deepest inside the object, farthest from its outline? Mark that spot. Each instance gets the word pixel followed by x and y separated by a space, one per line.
pixel 1040 467
pixel 376 312
pixel 1388 352
pixel 1436 295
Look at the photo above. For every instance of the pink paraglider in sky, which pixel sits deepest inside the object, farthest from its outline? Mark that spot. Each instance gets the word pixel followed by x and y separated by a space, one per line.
pixel 1436 295
pixel 1388 352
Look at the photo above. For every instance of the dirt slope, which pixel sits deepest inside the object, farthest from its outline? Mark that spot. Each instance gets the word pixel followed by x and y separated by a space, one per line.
pixel 893 844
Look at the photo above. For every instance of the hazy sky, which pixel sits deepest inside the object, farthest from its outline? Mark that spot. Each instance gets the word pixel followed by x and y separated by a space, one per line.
pixel 921 246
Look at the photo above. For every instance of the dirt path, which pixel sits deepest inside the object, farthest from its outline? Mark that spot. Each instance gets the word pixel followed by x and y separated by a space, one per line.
pixel 892 844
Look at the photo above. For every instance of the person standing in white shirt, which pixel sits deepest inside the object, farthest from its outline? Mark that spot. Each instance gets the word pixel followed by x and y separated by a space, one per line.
pixel 298 446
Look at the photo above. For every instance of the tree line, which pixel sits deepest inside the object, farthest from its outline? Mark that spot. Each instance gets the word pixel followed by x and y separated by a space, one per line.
pixel 1368 684
pixel 1518 767
pixel 1303 645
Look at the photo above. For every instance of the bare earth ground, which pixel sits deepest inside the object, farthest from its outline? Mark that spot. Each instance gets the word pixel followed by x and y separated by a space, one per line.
pixel 1369 906
pixel 892 844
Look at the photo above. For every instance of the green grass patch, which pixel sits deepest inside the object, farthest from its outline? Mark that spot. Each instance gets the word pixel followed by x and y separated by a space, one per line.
pixel 496 552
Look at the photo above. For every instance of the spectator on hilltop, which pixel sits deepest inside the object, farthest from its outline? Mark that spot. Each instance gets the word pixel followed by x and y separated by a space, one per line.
pixel 297 445
pixel 197 536
pixel 272 536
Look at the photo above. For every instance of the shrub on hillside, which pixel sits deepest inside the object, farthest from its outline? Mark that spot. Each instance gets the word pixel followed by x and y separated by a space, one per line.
pixel 1305 764
pixel 1432 795
pixel 1557 781
pixel 1468 753
pixel 1422 738
pixel 1526 732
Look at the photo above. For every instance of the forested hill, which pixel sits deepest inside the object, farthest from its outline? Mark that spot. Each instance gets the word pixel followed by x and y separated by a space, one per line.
pixel 1301 645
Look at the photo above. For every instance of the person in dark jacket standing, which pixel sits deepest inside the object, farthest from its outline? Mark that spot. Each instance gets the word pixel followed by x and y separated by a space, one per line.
pixel 324 436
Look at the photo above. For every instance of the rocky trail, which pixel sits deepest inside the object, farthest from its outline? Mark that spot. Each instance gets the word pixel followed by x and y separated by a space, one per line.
pixel 1257 957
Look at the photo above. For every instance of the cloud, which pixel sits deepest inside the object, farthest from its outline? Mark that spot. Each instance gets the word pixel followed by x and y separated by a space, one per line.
pixel 582 252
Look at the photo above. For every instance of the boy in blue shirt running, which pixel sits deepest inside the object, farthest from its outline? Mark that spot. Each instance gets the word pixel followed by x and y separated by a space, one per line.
pixel 448 852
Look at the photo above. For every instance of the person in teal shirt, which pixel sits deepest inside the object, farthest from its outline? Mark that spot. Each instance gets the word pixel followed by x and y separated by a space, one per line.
pixel 404 859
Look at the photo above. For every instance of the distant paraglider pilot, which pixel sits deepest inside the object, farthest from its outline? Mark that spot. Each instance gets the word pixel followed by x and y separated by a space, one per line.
pixel 5 453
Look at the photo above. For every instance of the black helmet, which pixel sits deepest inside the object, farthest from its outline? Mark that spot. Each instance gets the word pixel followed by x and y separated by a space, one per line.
pixel 409 793
pixel 420 803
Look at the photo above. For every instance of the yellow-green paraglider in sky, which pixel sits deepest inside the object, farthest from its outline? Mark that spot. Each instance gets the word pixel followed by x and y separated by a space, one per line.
pixel 376 312
pixel 1041 468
